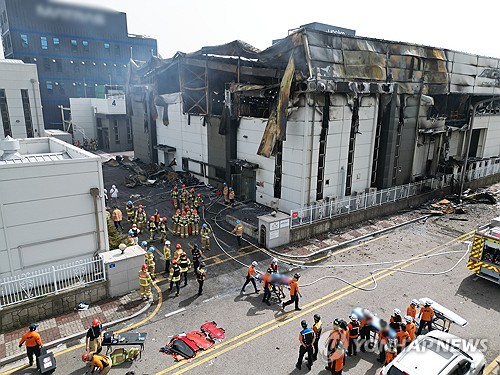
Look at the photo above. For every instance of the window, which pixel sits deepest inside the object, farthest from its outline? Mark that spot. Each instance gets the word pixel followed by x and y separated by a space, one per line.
pixel 117 50
pixel 56 42
pixel 4 109
pixel 43 42
pixel 129 131
pixel 27 114
pixel 106 46
pixel 74 45
pixel 24 40
pixel 46 64
pixel 50 86
pixel 61 88
pixel 58 65
pixel 85 45
pixel 99 122
pixel 115 130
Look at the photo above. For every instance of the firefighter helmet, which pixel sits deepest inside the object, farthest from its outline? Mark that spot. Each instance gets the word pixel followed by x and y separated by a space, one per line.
pixel 178 246
pixel 96 322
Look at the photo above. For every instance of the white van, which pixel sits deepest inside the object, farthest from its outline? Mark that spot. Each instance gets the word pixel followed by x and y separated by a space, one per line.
pixel 437 353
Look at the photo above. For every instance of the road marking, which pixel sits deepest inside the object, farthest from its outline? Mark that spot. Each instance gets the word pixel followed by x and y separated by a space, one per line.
pixel 247 247
pixel 234 256
pixel 306 309
pixel 492 366
pixel 175 312
pixel 128 328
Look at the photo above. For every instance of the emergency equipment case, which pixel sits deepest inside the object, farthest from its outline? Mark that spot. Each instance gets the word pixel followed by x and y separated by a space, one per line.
pixel 46 361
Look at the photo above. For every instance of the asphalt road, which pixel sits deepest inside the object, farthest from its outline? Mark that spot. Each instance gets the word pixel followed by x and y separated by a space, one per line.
pixel 261 338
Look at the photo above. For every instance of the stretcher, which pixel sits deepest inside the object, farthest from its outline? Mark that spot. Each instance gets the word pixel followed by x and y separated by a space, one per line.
pixel 277 282
pixel 443 317
pixel 374 326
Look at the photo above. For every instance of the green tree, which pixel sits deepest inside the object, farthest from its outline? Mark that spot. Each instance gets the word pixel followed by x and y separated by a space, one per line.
pixel 115 238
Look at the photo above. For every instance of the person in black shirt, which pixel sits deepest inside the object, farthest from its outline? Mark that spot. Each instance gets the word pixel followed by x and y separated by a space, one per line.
pixel 93 341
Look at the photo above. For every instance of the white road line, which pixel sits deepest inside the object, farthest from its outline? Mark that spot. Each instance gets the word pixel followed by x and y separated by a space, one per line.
pixel 175 312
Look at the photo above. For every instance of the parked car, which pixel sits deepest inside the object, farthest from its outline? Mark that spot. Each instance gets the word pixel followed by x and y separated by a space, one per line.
pixel 437 353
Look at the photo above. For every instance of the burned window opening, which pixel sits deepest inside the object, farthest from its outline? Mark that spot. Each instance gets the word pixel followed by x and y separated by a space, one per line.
pixel 352 144
pixel 322 147
pixel 376 148
pixel 397 148
pixel 278 165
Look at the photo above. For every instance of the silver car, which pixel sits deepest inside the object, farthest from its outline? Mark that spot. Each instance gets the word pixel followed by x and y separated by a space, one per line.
pixel 437 353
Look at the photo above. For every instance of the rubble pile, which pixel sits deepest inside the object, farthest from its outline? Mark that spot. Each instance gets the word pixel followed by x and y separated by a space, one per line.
pixel 452 204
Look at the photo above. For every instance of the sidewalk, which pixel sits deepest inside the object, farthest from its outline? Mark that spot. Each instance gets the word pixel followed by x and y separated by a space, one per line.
pixel 344 236
pixel 72 325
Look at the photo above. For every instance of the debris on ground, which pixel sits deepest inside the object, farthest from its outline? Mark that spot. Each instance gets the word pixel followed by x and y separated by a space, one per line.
pixel 481 197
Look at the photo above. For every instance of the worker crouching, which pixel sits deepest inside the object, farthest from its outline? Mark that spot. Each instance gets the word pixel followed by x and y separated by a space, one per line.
pixel 98 362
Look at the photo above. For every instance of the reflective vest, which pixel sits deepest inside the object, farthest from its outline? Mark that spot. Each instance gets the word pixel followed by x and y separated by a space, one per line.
pixel 166 252
pixel 184 264
pixel 163 227
pixel 238 229
pixel 117 215
pixel 130 211
pixel 175 273
pixel 157 217
pixel 205 232
pixel 150 259
pixel 353 330
pixel 144 278
pixel 140 216
pixel 195 253
pixel 196 219
pixel 198 202
pixel 317 329
pixel 200 274
pixel 178 253
pixel 152 226
pixel 307 336
pixel 175 219
pixel 174 194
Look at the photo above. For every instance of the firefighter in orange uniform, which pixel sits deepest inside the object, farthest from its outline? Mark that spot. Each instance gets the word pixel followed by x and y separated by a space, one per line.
pixel 403 338
pixel 426 316
pixel 294 293
pixel 33 343
pixel 412 309
pixel 410 327
pixel 145 282
pixel 250 278
pixel 390 350
pixel 354 327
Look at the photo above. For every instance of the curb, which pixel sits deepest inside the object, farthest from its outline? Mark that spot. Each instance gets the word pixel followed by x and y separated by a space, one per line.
pixel 345 243
pixel 52 344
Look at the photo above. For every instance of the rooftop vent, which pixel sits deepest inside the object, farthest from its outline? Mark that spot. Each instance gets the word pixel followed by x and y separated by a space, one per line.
pixel 10 148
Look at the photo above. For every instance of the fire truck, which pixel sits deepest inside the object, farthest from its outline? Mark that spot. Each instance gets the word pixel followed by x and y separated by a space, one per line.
pixel 484 257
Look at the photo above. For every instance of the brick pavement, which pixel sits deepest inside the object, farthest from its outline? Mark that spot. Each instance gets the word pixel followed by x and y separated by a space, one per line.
pixel 74 322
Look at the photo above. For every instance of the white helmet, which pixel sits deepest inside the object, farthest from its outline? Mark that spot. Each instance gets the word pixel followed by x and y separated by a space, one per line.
pixel 367 313
pixel 397 312
pixel 354 318
pixel 254 263
pixel 275 260
pixel 408 319
pixel 167 242
pixel 415 302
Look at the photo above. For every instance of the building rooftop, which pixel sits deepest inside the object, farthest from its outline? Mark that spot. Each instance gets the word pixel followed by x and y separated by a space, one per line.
pixel 39 150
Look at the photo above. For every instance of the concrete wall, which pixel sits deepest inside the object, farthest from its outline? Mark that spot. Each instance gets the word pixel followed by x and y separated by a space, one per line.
pixel 22 314
pixel 188 134
pixel 47 214
pixel 14 77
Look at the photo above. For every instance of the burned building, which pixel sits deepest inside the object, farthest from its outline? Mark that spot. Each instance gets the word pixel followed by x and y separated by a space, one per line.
pixel 317 115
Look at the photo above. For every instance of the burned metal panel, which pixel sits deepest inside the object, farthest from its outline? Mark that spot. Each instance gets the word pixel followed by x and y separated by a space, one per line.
pixel 365 72
pixel 369 45
pixel 234 48
pixel 330 55
pixel 398 48
pixel 324 40
pixel 365 58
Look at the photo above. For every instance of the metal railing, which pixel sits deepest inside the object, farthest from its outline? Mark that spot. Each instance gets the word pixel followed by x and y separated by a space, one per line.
pixel 52 280
pixel 329 208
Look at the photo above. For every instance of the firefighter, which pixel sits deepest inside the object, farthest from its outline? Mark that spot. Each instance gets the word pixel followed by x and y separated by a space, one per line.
pixel 184 200
pixel 144 246
pixel 167 256
pixel 163 229
pixel 175 197
pixel 130 238
pixel 151 262
pixel 410 327
pixel 238 231
pixel 426 316
pixel 225 193
pixel 205 237
pixel 196 255
pixel 317 332
pixel 135 234
pixel 201 274
pixel 145 282
pixel 157 218
pixel 277 289
pixel 130 211
pixel 175 277
pixel 383 339
pixel 33 344
pixel 93 339
pixel 198 202
pixel 175 222
pixel 412 309
pixel 191 196
pixel 189 217
pixel 250 277
pixel 231 196
pixel 195 222
pixel 108 215
pixel 178 252
pixel 390 350
pixel 403 338
pixel 183 189
pixel 306 339
pixel 117 218
pixel 140 217
pixel 396 320
pixel 98 361
pixel 152 228
pixel 353 335
pixel 184 264
pixel 183 225
pixel 294 293
pixel 267 287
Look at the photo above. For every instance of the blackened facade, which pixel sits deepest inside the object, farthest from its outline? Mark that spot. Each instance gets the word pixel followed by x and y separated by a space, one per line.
pixel 76 49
